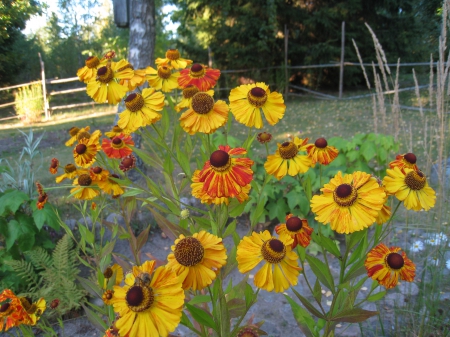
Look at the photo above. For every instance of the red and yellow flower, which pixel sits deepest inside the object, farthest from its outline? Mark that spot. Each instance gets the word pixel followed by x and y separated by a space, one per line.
pixel 402 161
pixel 12 312
pixel 173 60
pixel 162 78
pixel 85 152
pixel 199 75
pixel 127 163
pixel 33 309
pixel 298 229
pixel 98 174
pixel 118 147
pixel 54 166
pixel 321 152
pixel 387 265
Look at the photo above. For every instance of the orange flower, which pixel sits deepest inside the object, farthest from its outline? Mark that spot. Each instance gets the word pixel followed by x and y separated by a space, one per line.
pixel 12 312
pixel 42 200
pixel 321 152
pixel 54 166
pixel 98 174
pixel 199 75
pixel 118 147
pixel 224 175
pixel 111 187
pixel 402 161
pixel 298 229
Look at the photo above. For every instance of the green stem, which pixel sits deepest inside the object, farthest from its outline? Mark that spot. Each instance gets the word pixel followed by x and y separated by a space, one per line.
pixel 267 148
pixel 236 326
pixel 310 288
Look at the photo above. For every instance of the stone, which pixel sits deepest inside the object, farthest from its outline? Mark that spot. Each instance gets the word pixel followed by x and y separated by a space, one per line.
pixel 408 288
pixel 434 178
pixel 395 299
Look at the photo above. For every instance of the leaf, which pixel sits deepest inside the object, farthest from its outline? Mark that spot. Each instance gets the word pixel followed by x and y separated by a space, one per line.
pixel 200 299
pixel 278 209
pixel 185 320
pixel 368 150
pixel 171 230
pixel 376 297
pixel 142 238
pixel 303 318
pixel 90 286
pixel 96 320
pixel 45 216
pixel 231 228
pixel 327 243
pixel 86 234
pixel 321 270
pixel 353 315
pixel 357 269
pixel 236 307
pixel 11 201
pixel 237 210
pixel 307 303
pixel 317 291
pixel 201 316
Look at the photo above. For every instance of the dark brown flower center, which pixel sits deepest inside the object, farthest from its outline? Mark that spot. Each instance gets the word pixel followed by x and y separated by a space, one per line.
pixel 294 224
pixel 108 273
pixel 288 150
pixel 117 129
pixel 273 251
pixel 54 163
pixel 415 180
pixel 73 131
pixel 164 72
pixel 345 195
pixel 190 91
pixel 54 304
pixel 69 168
pixel 173 54
pixel 134 102
pixel 97 170
pixel 83 134
pixel 321 143
pixel 395 261
pixel 134 296
pixel 189 252
pixel 105 74
pixel 42 198
pixel 197 70
pixel 4 307
pixel 117 141
pixel 202 103
pixel 115 176
pixel 139 298
pixel 109 295
pixel 257 97
pixel 92 62
pixel 80 148
pixel 410 158
pixel 84 180
pixel 219 158
pixel 127 162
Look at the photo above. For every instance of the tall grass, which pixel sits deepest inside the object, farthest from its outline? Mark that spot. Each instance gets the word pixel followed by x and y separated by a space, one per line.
pixel 29 103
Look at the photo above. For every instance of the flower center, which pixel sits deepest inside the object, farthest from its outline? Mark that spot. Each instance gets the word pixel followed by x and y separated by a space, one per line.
pixel 97 170
pixel 108 294
pixel 128 66
pixel 69 168
pixel 189 252
pixel 202 103
pixel 257 97
pixel 321 143
pixel 265 136
pixel 164 72
pixel 345 195
pixel 273 251
pixel 197 70
pixel 117 143
pixel 173 54
pixel 117 129
pixel 139 298
pixel 288 150
pixel 73 131
pixel 80 148
pixel 294 224
pixel 247 332
pixel 395 261
pixel 220 161
pixel 128 162
pixel 105 74
pixel 410 158
pixel 109 55
pixel 4 307
pixel 108 273
pixel 92 62
pixel 83 134
pixel 84 180
pixel 134 102
pixel 190 91
pixel 54 304
pixel 415 180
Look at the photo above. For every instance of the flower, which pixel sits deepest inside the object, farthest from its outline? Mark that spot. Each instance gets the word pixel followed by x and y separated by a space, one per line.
pixel 199 75
pixel 249 331
pixel 104 88
pixel 224 175
pixel 109 55
pixel 407 160
pixel 150 303
pixel 197 259
pixel 173 59
pixel 54 303
pixel 321 152
pixel 70 172
pixel 12 312
pixel 436 239
pixel 386 265
pixel 188 93
pixel 115 131
pixel 204 115
pixel 288 160
pixel 89 71
pixel 110 186
pixel 107 296
pixel 85 151
pixel 184 214
pixel 115 272
pixel 33 309
pixel 127 163
pixel 417 246
pixel 247 100
pixel 136 80
pixel 84 189
pixel 73 132
pixel 162 79
pixel 54 166
pixel 42 200
pixel 296 228
pixel 385 212
pixel 349 203
pixel 98 174
pixel 411 187
pixel 264 137
pixel 118 147
pixel 280 269
pixel 141 110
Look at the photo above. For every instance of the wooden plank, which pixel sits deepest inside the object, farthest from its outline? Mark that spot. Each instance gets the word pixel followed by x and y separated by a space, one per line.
pixel 62 80
pixel 72 105
pixel 19 85
pixel 53 93
pixel 7 104
pixel 7 118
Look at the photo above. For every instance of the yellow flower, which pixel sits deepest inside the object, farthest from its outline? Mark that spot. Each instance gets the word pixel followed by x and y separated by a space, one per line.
pixel 349 203
pixel 115 271
pixel 85 151
pixel 321 152
pixel 280 268
pixel 115 131
pixel 162 79
pixel 247 101
pixel 84 189
pixel 173 59
pixel 141 110
pixel 411 187
pixel 34 310
pixel 135 81
pixel 288 160
pixel 197 259
pixel 89 71
pixel 70 172
pixel 188 93
pixel 110 186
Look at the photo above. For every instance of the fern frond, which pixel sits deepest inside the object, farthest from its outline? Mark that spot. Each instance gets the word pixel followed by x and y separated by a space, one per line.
pixel 40 258
pixel 26 271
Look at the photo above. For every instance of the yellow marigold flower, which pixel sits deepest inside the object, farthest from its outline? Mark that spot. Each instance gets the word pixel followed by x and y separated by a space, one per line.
pixel 173 59
pixel 149 304
pixel 321 152
pixel 98 174
pixel 70 172
pixel 34 310
pixel 402 161
pixel 349 203
pixel 141 110
pixel 115 131
pixel 136 80
pixel 104 88
pixel 85 188
pixel 288 159
pixel 204 115
pixel 280 268
pixel 89 71
pixel 111 187
pixel 199 75
pixel 298 229
pixel 162 79
pixel 197 259
pixel 386 266
pixel 411 187
pixel 247 101
pixel 85 151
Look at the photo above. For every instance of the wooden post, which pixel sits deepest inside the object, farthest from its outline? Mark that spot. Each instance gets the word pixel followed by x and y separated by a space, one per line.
pixel 44 90
pixel 286 88
pixel 341 70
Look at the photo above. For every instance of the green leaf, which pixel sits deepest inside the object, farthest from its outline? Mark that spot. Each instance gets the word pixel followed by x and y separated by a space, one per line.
pixel 45 216
pixel 201 316
pixel 304 320
pixel 278 209
pixel 327 243
pixel 353 315
pixel 321 270
pixel 354 238
pixel 368 150
pixel 249 295
pixel 168 165
pixel 185 320
pixel 11 201
pixel 376 297
pixel 231 228
pixel 236 307
pixel 359 252
pixel 357 269
pixel 16 231
pixel 308 304
pixel 307 187
pixel 238 209
pixel 95 319
pixel 317 291
pixel 200 299
pixel 86 234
